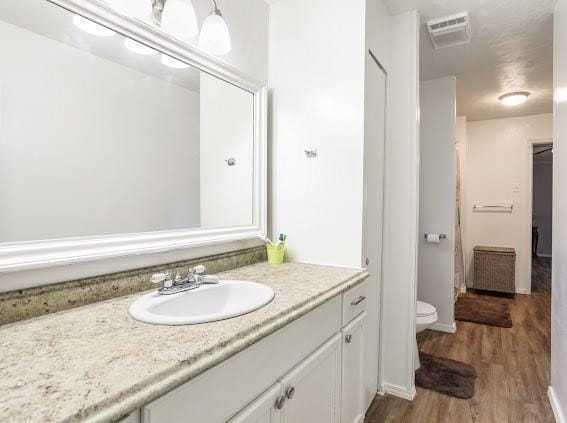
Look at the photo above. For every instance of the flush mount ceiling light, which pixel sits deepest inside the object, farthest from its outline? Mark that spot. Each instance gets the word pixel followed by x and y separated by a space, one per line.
pixel 514 99
pixel 215 37
pixel 171 62
pixel 138 48
pixel 176 17
pixel 91 27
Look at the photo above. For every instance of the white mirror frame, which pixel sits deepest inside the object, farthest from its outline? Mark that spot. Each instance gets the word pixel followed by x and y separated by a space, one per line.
pixel 19 256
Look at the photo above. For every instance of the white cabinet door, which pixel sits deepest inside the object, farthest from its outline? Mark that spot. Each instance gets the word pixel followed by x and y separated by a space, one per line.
pixel 312 389
pixel 265 409
pixel 353 371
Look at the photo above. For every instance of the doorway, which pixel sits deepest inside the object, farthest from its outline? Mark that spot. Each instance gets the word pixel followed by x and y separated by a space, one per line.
pixel 541 210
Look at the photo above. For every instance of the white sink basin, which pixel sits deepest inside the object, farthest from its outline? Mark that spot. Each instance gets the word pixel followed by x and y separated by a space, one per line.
pixel 208 303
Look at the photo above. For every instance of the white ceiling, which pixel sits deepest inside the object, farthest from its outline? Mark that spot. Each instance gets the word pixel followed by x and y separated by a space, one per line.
pixel 511 50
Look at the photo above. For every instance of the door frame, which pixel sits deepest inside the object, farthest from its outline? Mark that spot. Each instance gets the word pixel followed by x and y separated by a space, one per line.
pixel 381 68
pixel 529 202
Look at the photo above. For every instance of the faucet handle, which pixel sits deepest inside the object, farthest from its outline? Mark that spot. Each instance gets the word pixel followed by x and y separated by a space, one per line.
pixel 163 278
pixel 158 277
pixel 197 269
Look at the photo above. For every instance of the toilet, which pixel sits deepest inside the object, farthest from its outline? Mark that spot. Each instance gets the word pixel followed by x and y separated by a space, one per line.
pixel 425 316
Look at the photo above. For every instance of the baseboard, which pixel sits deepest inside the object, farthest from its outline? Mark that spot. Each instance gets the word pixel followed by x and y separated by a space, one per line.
pixel 555 406
pixel 463 289
pixel 523 291
pixel 544 255
pixel 444 327
pixel 399 391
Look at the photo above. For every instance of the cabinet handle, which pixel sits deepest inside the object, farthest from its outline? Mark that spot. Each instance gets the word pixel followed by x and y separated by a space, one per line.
pixel 358 301
pixel 280 402
pixel 348 338
pixel 290 392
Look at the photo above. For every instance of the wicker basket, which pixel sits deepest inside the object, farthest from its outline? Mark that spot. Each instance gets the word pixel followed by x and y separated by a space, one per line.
pixel 495 269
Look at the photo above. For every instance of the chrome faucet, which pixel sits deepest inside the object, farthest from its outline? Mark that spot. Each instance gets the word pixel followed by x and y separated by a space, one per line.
pixel 194 279
pixel 170 285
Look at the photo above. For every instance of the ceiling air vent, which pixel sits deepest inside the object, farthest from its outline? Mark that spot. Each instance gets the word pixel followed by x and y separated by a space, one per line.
pixel 450 31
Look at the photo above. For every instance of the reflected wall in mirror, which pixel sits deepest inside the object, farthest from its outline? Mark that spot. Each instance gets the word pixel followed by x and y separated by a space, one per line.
pixel 102 135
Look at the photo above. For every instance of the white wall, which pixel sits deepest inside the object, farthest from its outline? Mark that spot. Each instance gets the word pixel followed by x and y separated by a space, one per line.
pixel 227 131
pixel 543 205
pixel 437 202
pixel 318 102
pixel 498 168
pixel 558 390
pixel 401 208
pixel 72 130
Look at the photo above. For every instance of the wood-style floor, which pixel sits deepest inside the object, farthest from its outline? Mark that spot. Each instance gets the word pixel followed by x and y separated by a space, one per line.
pixel 512 365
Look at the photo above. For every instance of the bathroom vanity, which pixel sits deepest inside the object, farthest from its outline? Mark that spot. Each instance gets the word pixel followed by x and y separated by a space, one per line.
pixel 137 166
pixel 299 358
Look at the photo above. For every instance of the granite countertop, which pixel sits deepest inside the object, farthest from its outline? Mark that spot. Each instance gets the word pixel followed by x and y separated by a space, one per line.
pixel 96 363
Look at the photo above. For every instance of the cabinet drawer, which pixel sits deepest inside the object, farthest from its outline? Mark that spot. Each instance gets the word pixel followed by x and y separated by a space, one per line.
pixel 354 302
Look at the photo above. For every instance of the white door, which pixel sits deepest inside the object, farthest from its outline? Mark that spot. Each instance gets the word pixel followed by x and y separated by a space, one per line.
pixel 375 112
pixel 312 389
pixel 265 409
pixel 352 386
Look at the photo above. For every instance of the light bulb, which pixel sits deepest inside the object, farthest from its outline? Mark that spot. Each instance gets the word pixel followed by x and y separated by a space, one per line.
pixel 138 48
pixel 179 20
pixel 91 27
pixel 215 37
pixel 171 62
pixel 514 99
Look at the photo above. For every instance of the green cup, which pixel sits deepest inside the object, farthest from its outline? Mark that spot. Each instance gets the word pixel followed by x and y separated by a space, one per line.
pixel 276 253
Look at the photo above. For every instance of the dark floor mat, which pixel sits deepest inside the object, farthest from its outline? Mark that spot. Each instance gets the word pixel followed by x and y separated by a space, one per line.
pixel 485 310
pixel 448 377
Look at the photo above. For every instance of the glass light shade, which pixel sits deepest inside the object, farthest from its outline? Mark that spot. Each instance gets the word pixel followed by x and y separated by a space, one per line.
pixel 171 62
pixel 91 27
pixel 215 37
pixel 560 95
pixel 135 8
pixel 179 20
pixel 514 99
pixel 138 48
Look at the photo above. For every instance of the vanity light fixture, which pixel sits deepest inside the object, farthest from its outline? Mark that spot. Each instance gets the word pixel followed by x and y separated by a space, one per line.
pixel 91 27
pixel 215 37
pixel 138 48
pixel 171 62
pixel 176 17
pixel 514 99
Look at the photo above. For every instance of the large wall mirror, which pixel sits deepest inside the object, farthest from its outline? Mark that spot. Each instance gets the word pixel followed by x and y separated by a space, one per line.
pixel 115 139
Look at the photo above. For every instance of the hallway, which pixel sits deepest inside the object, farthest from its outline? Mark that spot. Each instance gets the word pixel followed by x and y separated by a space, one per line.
pixel 513 367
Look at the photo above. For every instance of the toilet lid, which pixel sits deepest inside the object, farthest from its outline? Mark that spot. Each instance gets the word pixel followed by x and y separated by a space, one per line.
pixel 424 309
